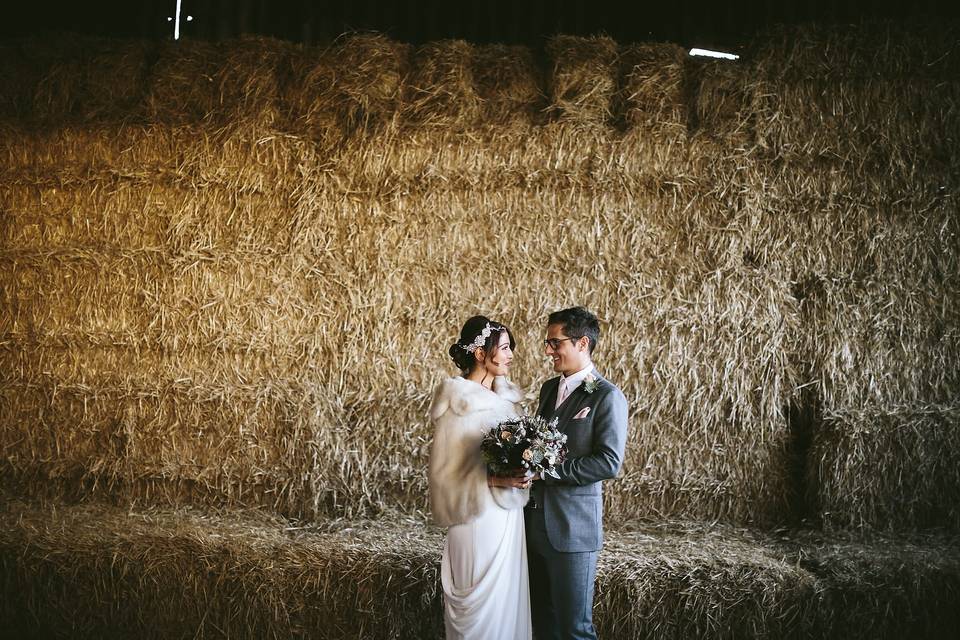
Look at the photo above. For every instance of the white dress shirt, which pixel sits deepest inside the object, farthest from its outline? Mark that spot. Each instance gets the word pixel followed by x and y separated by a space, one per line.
pixel 569 384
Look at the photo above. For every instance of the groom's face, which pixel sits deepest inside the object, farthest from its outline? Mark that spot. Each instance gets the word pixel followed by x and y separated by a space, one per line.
pixel 569 356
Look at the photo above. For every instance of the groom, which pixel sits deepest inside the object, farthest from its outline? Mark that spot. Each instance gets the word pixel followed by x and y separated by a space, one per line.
pixel 564 516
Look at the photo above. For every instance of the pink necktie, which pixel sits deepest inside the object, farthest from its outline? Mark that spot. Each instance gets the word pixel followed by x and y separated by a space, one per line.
pixel 562 393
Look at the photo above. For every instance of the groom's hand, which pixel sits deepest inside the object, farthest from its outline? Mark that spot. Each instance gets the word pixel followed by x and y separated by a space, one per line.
pixel 521 481
pixel 530 478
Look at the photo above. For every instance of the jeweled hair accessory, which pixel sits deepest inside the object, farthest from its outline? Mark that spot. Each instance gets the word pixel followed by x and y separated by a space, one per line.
pixel 480 340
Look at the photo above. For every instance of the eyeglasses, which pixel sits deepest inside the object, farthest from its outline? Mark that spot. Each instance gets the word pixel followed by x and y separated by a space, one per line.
pixel 554 343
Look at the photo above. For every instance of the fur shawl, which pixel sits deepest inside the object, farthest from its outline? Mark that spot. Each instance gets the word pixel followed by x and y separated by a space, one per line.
pixel 461 412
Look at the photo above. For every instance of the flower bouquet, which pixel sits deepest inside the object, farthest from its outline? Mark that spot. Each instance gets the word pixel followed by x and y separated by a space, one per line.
pixel 527 444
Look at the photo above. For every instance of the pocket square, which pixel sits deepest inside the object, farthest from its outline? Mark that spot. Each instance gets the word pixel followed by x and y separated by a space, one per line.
pixel 583 413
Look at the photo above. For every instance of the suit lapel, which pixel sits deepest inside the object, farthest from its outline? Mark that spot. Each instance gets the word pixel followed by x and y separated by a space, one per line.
pixel 569 406
pixel 546 408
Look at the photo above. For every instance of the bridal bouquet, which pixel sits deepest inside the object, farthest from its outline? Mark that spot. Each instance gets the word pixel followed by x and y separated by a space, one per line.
pixel 529 443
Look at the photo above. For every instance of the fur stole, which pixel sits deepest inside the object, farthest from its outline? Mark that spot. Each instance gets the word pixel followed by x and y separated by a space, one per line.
pixel 461 412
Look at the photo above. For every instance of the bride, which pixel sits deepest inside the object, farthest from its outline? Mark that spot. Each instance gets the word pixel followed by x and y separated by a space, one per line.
pixel 484 565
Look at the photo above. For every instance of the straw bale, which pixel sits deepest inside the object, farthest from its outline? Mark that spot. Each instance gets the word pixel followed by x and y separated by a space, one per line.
pixel 220 84
pixel 58 90
pixel 889 470
pixel 884 586
pixel 31 66
pixel 351 88
pixel 640 156
pixel 302 450
pixel 869 49
pixel 251 82
pixel 722 100
pixel 142 214
pixel 245 159
pixel 59 156
pixel 916 118
pixel 510 87
pixel 374 72
pixel 882 344
pixel 43 216
pixel 241 159
pixel 115 81
pixel 183 87
pixel 251 160
pixel 441 91
pixel 879 92
pixel 91 570
pixel 583 83
pixel 145 301
pixel 19 78
pixel 205 302
pixel 208 357
pixel 59 290
pixel 704 438
pixel 316 109
pixel 654 92
pixel 544 160
pixel 836 219
pixel 102 80
pixel 68 449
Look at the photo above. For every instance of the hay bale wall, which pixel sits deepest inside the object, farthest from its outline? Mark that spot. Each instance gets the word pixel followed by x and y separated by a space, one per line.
pixel 238 288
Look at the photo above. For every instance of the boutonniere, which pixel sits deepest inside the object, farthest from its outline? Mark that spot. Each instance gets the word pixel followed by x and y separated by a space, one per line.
pixel 590 383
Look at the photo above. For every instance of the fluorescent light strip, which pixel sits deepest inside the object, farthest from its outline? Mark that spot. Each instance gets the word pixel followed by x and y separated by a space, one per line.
pixel 713 54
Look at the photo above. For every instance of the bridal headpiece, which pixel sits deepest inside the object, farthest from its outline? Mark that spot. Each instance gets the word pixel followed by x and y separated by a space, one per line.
pixel 480 340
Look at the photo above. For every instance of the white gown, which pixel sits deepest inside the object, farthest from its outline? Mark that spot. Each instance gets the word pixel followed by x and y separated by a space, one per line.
pixel 483 569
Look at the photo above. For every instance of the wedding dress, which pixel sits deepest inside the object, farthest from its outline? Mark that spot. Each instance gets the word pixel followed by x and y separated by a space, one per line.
pixel 484 564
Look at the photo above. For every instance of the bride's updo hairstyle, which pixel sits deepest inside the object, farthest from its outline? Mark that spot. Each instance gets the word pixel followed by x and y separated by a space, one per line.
pixel 471 338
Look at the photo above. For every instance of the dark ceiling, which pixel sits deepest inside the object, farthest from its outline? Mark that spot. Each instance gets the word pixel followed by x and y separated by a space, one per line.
pixel 689 23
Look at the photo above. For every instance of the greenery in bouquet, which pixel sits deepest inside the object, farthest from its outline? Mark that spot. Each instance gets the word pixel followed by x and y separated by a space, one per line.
pixel 524 444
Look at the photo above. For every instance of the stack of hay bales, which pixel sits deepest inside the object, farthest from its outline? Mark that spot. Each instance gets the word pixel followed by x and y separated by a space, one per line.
pixel 857 196
pixel 242 293
pixel 237 286
pixel 90 571
pixel 95 571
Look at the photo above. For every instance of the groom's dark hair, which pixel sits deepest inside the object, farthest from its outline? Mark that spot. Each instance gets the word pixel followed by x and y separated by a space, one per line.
pixel 577 322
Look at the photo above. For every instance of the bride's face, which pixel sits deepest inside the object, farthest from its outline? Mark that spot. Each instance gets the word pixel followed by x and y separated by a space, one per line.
pixel 498 362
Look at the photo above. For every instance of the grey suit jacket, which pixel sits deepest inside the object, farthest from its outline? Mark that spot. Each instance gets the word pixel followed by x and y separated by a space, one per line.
pixel 573 504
